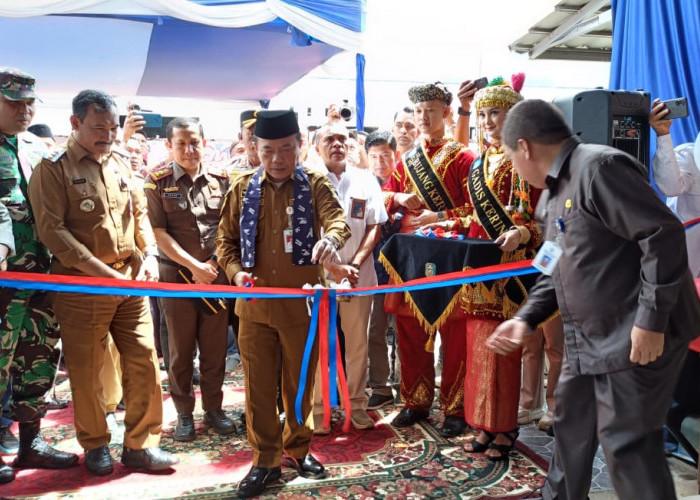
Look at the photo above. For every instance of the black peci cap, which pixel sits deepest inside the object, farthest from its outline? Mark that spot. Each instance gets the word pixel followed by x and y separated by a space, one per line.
pixel 276 124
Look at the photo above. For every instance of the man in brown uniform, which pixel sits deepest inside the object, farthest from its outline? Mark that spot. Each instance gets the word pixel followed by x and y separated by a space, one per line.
pixel 270 227
pixel 184 203
pixel 250 160
pixel 95 224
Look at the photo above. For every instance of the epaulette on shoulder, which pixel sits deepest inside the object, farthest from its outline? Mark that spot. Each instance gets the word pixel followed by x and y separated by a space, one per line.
pixel 161 173
pixel 121 152
pixel 56 154
pixel 218 172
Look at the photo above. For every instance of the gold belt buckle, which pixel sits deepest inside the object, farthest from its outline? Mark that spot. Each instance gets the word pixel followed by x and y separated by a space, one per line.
pixel 121 263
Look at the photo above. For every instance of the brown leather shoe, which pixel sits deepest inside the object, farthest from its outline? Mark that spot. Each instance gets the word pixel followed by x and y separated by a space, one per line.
pixel 319 429
pixel 360 420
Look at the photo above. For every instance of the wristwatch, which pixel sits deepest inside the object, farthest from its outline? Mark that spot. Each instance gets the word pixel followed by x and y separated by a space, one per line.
pixel 333 241
pixel 461 112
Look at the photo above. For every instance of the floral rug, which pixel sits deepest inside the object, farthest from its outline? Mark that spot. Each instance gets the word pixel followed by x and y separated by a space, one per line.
pixel 384 462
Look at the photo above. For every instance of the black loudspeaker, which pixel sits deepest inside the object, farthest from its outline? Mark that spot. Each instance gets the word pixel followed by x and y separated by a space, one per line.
pixel 616 118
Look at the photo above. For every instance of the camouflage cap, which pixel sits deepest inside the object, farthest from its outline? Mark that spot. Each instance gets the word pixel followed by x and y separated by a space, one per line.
pixel 16 85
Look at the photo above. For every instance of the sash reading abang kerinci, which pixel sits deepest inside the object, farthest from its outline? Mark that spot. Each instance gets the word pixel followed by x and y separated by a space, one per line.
pixel 495 220
pixel 422 173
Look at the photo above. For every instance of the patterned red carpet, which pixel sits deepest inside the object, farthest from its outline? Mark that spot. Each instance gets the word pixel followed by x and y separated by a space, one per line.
pixel 380 463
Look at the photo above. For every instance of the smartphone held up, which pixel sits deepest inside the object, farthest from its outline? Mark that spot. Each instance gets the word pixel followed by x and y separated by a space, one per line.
pixel 678 108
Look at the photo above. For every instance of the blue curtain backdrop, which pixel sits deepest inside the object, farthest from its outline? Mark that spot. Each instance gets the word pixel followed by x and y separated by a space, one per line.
pixel 656 47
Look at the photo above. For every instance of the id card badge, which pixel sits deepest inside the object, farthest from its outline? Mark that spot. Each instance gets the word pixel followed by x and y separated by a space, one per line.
pixel 547 258
pixel 288 234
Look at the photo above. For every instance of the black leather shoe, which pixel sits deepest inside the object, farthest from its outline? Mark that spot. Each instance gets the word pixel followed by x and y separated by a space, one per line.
pixel 34 453
pixel 253 484
pixel 150 459
pixel 307 467
pixel 407 417
pixel 98 461
pixel 217 420
pixel 6 473
pixel 453 426
pixel 184 430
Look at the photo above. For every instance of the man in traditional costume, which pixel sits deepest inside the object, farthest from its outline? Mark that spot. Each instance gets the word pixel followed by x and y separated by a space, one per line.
pixel 428 184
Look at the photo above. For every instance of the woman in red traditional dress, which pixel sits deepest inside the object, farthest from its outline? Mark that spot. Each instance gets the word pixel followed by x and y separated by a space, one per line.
pixel 502 209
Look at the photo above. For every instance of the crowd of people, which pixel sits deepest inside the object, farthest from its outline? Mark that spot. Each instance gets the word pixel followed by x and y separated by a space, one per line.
pixel 614 312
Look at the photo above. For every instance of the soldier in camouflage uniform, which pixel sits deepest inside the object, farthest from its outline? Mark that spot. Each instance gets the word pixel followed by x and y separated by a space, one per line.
pixel 28 328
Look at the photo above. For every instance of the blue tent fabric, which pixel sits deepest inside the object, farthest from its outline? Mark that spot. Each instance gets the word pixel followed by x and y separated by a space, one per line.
pixel 360 92
pixel 218 50
pixel 346 13
pixel 656 47
pixel 253 61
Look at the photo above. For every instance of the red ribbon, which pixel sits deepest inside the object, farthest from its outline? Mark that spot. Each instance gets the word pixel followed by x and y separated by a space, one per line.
pixel 323 358
pixel 343 388
pixel 324 333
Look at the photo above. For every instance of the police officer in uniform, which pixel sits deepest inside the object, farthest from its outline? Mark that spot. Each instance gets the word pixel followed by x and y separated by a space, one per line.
pixel 95 224
pixel 28 326
pixel 184 203
pixel 270 235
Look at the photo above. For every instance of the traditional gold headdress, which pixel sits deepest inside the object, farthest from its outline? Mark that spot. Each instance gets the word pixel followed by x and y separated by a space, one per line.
pixel 500 93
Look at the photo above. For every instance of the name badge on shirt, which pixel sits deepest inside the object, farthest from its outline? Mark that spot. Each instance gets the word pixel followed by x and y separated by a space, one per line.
pixel 547 258
pixel 288 235
pixel 357 208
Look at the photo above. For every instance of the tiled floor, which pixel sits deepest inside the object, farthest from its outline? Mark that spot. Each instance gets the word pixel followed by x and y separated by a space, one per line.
pixel 685 476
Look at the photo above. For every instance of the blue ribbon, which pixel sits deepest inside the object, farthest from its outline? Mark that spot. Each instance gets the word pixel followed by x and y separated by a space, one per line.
pixel 692 224
pixel 332 346
pixel 439 284
pixel 310 338
pixel 142 292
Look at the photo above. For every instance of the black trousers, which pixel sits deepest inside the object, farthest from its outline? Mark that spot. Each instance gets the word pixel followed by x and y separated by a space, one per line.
pixel 625 411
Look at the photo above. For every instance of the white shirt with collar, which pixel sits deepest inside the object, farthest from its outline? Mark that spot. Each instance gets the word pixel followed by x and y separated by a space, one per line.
pixel 677 174
pixel 362 200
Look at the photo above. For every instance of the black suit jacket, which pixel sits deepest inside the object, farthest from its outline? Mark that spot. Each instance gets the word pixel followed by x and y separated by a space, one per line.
pixel 624 261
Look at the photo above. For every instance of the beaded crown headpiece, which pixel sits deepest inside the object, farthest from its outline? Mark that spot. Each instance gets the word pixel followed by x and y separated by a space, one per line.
pixel 429 92
pixel 500 93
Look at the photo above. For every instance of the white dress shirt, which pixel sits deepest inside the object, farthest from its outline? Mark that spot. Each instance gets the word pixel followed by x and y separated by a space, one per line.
pixel 360 187
pixel 677 175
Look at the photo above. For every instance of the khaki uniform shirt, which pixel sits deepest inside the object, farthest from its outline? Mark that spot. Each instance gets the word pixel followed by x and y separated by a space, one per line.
pixel 189 209
pixel 273 266
pixel 85 208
